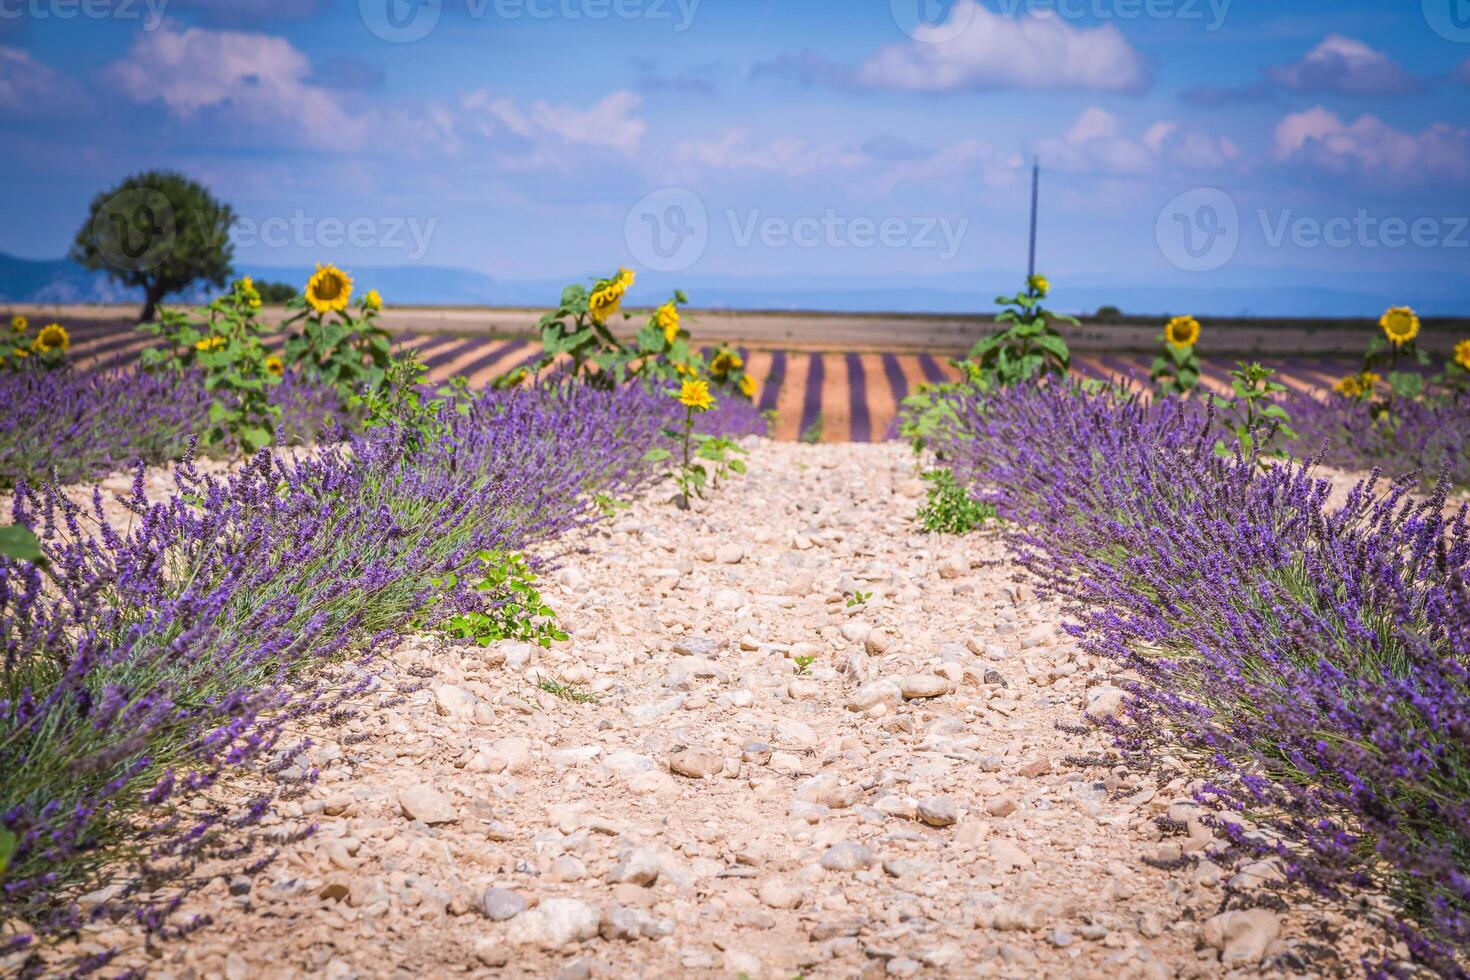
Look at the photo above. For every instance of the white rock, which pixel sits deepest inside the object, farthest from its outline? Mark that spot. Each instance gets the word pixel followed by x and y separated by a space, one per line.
pixel 790 732
pixel 454 702
pixel 696 763
pixel 848 856
pixel 779 894
pixel 1008 855
pixel 1242 936
pixel 914 686
pixel 878 692
pixel 1105 703
pixel 938 811
pixel 639 866
pixel 554 924
pixel 426 804
pixel 729 554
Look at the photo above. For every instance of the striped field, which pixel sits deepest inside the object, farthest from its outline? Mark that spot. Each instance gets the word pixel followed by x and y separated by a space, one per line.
pixel 840 396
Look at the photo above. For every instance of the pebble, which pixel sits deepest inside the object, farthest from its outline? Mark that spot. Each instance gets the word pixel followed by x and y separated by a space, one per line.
pixel 779 894
pixel 1241 936
pixel 555 924
pixel 501 904
pixel 695 763
pixel 939 811
pixel 848 856
pixel 426 804
pixel 915 686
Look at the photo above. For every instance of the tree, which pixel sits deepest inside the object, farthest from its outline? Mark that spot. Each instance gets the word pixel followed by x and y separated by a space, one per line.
pixel 275 293
pixel 159 231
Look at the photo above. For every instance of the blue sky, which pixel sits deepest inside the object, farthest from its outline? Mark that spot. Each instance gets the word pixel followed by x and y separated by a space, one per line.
pixel 1188 143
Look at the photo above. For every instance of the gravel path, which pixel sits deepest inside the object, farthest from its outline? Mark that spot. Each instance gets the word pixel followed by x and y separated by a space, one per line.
pixel 907 806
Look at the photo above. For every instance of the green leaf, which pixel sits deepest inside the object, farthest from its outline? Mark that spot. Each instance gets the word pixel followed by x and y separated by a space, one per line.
pixel 7 848
pixel 657 455
pixel 20 542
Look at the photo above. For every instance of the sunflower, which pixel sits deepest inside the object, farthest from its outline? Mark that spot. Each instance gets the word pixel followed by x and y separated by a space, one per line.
pixel 210 343
pixel 275 365
pixel 372 300
pixel 624 277
pixel 1182 331
pixel 747 387
pixel 1400 324
pixel 695 394
pixel 20 352
pixel 329 289
pixel 687 370
pixel 725 362
pixel 1039 283
pixel 1349 387
pixel 668 321
pixel 606 300
pixel 1462 354
pixel 19 324
pixel 53 336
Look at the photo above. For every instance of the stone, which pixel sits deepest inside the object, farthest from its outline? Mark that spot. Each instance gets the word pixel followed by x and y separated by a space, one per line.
pixel 939 811
pixel 874 693
pixel 1001 806
pixel 1007 855
pixel 626 923
pixel 426 804
pixel 742 964
pixel 696 763
pixel 454 702
pixel 502 904
pixel 1242 936
pixel 848 856
pixel 729 554
pixel 827 790
pixel 791 733
pixel 1105 703
pixel 780 894
pixel 555 924
pixel 916 686
pixel 954 566
pixel 639 866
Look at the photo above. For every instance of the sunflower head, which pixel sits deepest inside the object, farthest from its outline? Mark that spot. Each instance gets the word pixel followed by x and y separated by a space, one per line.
pixel 1349 387
pixel 1039 284
pixel 53 337
pixel 686 370
pixel 1462 354
pixel 1182 331
pixel 1400 324
pixel 747 387
pixel 668 321
pixel 329 289
pixel 725 362
pixel 210 343
pixel 624 277
pixel 274 365
pixel 372 300
pixel 20 352
pixel 19 324
pixel 695 394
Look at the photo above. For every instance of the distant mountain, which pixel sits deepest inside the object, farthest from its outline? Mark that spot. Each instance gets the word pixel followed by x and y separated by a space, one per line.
pixel 1234 292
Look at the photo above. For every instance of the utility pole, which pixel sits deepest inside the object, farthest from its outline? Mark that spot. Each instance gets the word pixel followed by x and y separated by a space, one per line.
pixel 1035 191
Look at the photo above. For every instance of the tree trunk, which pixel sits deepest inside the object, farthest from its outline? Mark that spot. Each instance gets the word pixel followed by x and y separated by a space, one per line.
pixel 153 295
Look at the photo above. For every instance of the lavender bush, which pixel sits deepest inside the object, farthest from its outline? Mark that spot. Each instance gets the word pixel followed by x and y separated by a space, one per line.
pixel 73 427
pixel 1316 661
pixel 1423 436
pixel 141 667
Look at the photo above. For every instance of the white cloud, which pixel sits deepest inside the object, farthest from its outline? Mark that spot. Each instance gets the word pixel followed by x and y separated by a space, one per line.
pixel 29 88
pixel 1370 147
pixel 785 156
pixel 1041 52
pixel 1345 65
pixel 259 79
pixel 1099 141
pixel 544 131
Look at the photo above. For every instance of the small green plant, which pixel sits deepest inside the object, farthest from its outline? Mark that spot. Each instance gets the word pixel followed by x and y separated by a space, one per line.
pixel 858 598
pixel 1177 370
pixel 706 459
pixel 949 509
pixel 223 343
pixel 340 343
pixel 404 401
pixel 45 352
pixel 930 410
pixel 1253 416
pixel 812 434
pixel 608 505
pixel 568 692
pixel 1030 348
pixel 513 609
pixel 803 663
pixel 1396 343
